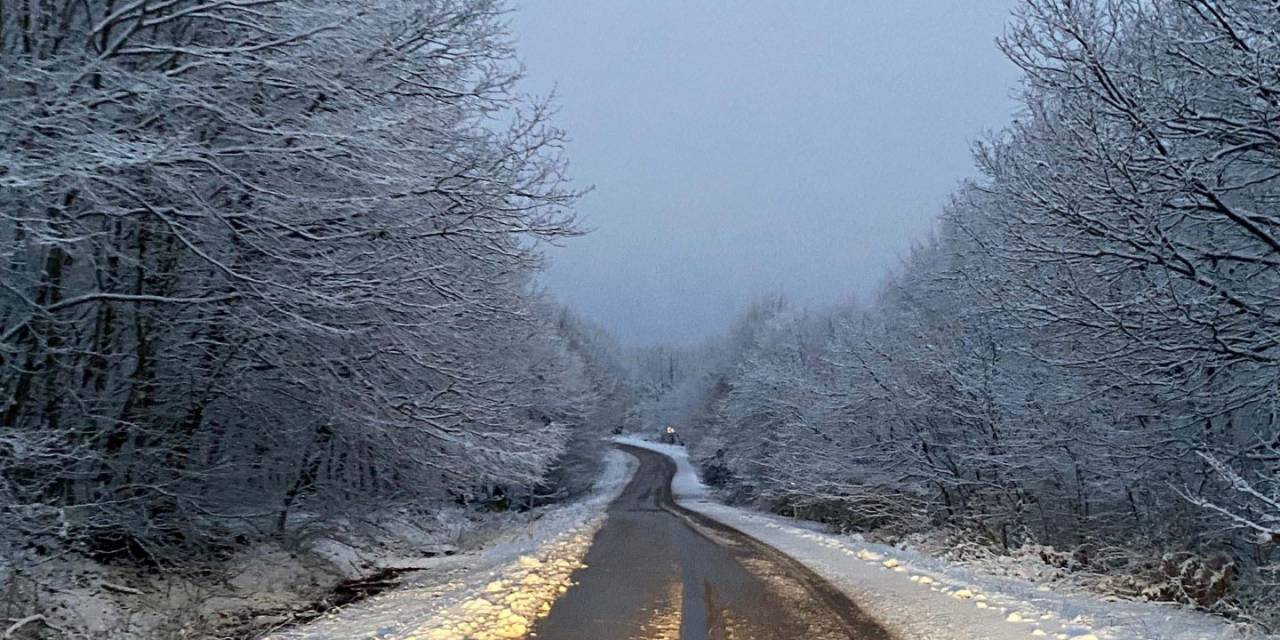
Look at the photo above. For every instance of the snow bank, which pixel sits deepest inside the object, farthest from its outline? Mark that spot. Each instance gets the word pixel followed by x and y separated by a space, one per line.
pixel 492 594
pixel 925 598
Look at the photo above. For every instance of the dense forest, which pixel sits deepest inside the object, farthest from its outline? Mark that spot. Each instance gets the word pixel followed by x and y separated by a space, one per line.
pixel 1084 360
pixel 267 258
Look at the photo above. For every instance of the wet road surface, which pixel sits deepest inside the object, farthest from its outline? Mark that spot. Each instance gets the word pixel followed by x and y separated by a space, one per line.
pixel 659 572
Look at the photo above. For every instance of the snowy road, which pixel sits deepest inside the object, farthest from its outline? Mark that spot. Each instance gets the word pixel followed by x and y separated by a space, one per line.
pixel 670 562
pixel 656 571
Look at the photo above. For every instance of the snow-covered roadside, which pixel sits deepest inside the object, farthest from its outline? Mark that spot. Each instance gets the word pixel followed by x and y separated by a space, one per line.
pixel 254 586
pixel 494 593
pixel 925 598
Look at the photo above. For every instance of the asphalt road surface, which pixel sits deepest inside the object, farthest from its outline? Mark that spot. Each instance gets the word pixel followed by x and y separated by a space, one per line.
pixel 659 572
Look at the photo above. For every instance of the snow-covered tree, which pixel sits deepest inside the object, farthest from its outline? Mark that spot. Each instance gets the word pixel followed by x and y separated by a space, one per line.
pixel 1085 353
pixel 258 255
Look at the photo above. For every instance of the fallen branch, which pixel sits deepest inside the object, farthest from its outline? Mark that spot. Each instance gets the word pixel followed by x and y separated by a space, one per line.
pixel 119 588
pixel 19 624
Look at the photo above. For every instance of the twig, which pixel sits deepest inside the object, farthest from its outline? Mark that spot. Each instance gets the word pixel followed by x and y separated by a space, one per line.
pixel 119 588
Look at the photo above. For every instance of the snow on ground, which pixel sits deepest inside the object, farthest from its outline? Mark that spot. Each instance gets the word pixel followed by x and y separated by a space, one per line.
pixel 79 598
pixel 925 598
pixel 491 594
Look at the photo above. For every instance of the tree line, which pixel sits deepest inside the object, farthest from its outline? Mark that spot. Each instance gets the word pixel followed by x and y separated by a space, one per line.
pixel 1084 358
pixel 265 258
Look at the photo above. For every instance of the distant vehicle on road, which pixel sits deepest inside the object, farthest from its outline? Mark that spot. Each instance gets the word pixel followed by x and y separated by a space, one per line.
pixel 669 436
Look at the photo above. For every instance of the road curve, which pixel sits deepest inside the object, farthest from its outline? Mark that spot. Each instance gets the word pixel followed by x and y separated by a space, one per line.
pixel 656 571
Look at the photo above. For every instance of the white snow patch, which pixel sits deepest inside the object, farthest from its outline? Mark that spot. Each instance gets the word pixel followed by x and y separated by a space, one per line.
pixel 925 598
pixel 495 593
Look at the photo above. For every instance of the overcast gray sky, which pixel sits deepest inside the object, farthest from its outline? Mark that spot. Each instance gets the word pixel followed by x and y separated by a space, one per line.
pixel 741 147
